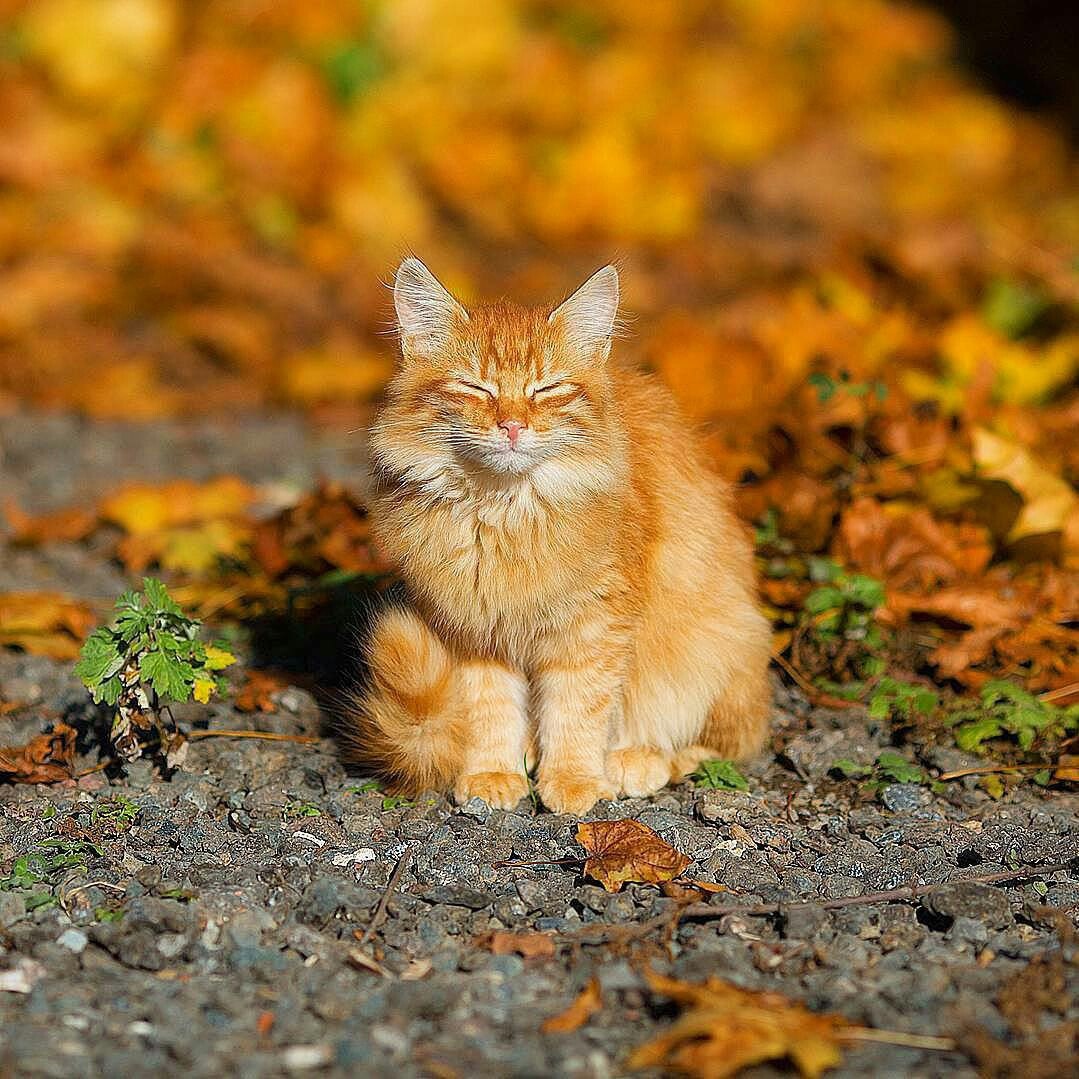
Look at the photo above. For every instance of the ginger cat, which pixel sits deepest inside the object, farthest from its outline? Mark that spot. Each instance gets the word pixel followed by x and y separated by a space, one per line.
pixel 579 586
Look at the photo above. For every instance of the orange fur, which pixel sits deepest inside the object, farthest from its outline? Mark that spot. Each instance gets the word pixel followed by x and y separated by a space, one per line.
pixel 583 587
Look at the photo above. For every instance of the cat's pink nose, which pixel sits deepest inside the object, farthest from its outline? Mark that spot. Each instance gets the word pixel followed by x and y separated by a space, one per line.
pixel 512 429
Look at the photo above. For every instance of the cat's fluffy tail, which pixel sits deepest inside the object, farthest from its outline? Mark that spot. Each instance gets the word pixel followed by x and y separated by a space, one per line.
pixel 408 723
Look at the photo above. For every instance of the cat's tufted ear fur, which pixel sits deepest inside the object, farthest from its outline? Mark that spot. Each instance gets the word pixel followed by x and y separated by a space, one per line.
pixel 426 312
pixel 588 317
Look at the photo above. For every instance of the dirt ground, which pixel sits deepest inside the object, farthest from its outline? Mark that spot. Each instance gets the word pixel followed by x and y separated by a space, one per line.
pixel 210 923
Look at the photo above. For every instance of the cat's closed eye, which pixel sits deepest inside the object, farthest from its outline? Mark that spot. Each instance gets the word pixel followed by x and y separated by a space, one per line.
pixel 550 390
pixel 472 389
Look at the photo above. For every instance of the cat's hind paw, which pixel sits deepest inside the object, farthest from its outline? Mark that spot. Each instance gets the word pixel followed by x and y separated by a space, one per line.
pixel 638 771
pixel 500 790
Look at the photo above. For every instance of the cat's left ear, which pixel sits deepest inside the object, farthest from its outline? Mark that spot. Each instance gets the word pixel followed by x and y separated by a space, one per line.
pixel 587 318
pixel 426 313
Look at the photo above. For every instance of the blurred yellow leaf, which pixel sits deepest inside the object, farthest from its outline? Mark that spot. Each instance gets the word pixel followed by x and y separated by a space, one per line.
pixel 727 1029
pixel 45 623
pixel 142 508
pixel 1048 501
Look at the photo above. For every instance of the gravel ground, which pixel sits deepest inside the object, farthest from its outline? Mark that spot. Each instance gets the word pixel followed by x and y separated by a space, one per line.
pixel 210 923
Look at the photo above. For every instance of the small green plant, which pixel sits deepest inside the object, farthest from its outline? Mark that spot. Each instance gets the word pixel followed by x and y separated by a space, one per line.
pixel 119 811
pixel 892 699
pixel 108 914
pixel 719 775
pixel 363 788
pixel 827 386
pixel 42 870
pixel 396 801
pixel 1013 307
pixel 149 658
pixel 845 605
pixel 1006 710
pixel 889 767
pixel 298 809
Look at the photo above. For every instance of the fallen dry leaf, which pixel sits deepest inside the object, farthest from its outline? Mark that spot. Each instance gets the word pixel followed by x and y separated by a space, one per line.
pixel 727 1029
pixel 141 508
pixel 256 694
pixel 626 850
pixel 526 945
pixel 63 526
pixel 908 548
pixel 578 1013
pixel 1067 768
pixel 46 758
pixel 1049 502
pixel 45 623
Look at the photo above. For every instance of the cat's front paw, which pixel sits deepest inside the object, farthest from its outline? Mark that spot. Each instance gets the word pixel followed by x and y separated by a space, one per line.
pixel 638 771
pixel 574 795
pixel 500 790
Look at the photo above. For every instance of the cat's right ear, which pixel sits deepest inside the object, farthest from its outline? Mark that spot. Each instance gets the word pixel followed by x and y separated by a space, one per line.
pixel 426 313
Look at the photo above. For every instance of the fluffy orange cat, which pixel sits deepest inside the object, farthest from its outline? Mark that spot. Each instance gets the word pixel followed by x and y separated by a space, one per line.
pixel 579 589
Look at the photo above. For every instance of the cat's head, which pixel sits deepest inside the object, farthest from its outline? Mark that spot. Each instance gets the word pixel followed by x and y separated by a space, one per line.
pixel 503 389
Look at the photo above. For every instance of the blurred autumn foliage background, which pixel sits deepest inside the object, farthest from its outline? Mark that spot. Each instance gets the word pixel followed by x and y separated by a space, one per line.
pixel 853 266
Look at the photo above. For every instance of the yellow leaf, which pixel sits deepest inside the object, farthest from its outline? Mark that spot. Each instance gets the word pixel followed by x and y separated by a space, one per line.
pixel 626 850
pixel 727 1029
pixel 217 659
pixel 45 623
pixel 141 508
pixel 204 689
pixel 1048 500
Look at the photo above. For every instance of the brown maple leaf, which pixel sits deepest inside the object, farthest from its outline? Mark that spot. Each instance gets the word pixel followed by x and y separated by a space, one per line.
pixel 626 850
pixel 46 758
pixel 726 1029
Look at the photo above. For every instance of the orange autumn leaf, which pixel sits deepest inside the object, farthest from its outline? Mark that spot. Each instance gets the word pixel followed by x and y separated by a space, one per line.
pixel 626 850
pixel 726 1029
pixel 61 526
pixel 526 945
pixel 257 692
pixel 907 548
pixel 47 758
pixel 45 623
pixel 578 1013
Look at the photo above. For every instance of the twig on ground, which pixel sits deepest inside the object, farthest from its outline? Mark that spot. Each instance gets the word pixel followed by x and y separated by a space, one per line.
pixel 542 861
pixel 898 1037
pixel 606 933
pixel 383 904
pixel 266 736
pixel 993 769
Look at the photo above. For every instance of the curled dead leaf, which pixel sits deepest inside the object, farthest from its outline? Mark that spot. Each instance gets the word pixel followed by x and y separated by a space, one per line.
pixel 46 758
pixel 626 850
pixel 727 1029
pixel 578 1013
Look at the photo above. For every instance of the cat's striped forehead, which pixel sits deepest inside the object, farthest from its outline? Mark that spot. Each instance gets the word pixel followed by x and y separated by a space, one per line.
pixel 509 340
